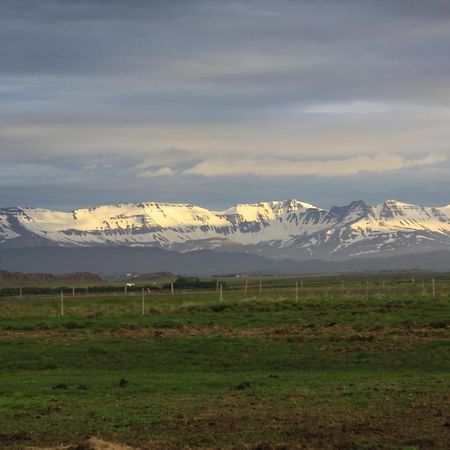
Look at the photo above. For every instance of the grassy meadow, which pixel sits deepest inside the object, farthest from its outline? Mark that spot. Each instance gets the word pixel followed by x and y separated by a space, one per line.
pixel 363 364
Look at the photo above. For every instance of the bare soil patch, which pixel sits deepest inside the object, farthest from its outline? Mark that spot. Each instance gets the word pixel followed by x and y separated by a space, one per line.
pixel 413 331
pixel 93 443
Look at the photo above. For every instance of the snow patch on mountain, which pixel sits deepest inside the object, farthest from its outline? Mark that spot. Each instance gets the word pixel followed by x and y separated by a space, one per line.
pixel 277 228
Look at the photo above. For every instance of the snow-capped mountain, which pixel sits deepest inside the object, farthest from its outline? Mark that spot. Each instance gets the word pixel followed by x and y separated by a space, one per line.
pixel 280 228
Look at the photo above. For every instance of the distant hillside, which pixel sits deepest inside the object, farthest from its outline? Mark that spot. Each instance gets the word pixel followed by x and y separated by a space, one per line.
pixel 47 279
pixel 120 260
pixel 153 276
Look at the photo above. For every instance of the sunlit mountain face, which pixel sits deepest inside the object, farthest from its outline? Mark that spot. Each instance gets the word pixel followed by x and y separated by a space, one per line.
pixel 279 229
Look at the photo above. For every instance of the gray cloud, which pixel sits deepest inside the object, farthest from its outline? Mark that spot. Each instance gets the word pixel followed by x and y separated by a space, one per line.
pixel 67 188
pixel 269 167
pixel 91 92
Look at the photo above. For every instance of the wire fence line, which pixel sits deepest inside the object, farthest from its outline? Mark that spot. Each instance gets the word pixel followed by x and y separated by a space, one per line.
pixel 143 302
pixel 433 287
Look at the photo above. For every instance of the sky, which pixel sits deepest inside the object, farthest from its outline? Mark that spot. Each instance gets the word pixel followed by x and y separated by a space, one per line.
pixel 215 102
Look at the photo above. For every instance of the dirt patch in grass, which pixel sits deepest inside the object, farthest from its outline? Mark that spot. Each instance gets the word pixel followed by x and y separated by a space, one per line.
pixel 244 422
pixel 334 331
pixel 92 443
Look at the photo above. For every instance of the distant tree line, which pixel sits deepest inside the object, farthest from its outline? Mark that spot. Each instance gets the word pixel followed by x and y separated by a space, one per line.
pixel 191 283
pixel 179 283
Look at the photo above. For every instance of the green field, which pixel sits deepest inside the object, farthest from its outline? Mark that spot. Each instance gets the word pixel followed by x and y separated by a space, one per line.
pixel 366 367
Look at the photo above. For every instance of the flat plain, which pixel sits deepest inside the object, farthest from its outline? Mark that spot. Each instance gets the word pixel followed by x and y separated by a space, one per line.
pixel 350 366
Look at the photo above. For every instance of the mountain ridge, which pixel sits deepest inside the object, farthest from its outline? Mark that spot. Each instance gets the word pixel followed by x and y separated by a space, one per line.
pixel 278 229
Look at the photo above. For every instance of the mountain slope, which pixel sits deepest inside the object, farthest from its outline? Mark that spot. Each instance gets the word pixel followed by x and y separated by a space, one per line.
pixel 278 229
pixel 119 260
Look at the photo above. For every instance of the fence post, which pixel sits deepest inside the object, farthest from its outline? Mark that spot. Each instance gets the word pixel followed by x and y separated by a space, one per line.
pixel 296 292
pixel 171 288
pixel 20 292
pixel 143 302
pixel 220 293
pixel 62 304
pixel 434 288
pixel 126 290
pixel 246 287
pixel 73 291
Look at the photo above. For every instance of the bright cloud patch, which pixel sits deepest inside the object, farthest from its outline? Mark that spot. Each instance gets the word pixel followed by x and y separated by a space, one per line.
pixel 382 162
pixel 355 107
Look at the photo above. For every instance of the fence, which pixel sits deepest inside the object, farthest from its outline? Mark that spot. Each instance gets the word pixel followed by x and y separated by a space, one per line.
pixel 144 300
pixel 247 288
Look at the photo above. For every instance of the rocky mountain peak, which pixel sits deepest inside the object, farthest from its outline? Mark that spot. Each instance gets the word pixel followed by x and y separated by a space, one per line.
pixel 275 228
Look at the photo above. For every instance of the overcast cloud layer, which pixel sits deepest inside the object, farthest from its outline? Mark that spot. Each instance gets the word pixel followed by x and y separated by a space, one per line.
pixel 217 102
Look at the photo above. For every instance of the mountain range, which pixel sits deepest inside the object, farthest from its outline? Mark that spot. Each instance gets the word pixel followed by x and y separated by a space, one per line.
pixel 277 229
